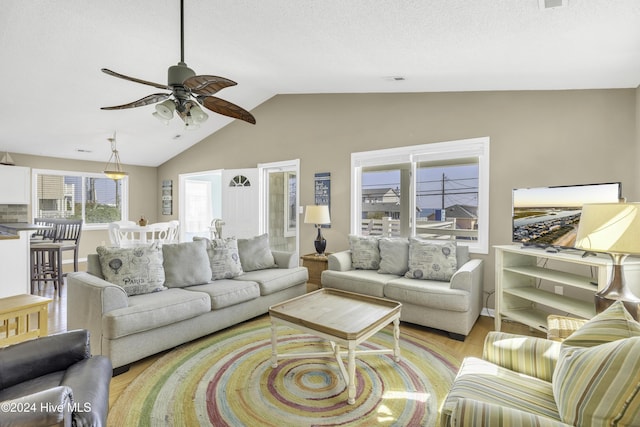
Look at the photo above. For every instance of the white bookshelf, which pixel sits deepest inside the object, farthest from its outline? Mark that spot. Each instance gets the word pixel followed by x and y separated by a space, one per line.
pixel 520 272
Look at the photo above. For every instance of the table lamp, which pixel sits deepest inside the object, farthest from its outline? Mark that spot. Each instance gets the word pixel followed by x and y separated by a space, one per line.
pixel 318 215
pixel 612 228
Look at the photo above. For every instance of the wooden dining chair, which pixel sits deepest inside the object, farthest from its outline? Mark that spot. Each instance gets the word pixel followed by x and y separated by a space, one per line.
pixel 68 234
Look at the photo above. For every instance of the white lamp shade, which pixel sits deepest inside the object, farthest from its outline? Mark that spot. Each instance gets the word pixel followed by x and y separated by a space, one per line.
pixel 165 109
pixel 610 227
pixel 317 214
pixel 198 115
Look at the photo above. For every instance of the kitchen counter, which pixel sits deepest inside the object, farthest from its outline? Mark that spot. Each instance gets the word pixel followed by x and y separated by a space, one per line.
pixel 15 227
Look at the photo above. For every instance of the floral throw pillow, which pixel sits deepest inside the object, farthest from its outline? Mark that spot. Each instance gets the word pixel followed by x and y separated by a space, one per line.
pixel 431 260
pixel 137 270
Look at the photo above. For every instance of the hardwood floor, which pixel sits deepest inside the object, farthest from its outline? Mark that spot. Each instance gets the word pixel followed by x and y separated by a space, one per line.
pixel 472 345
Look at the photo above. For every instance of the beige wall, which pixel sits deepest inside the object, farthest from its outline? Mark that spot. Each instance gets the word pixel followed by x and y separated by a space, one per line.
pixel 537 138
pixel 142 201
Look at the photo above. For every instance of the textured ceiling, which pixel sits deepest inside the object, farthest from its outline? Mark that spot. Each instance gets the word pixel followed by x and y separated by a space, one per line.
pixel 52 52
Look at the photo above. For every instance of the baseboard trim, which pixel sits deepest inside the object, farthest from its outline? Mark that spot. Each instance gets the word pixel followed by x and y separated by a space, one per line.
pixel 490 312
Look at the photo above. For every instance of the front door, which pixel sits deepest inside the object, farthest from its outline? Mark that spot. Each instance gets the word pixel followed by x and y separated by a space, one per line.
pixel 240 203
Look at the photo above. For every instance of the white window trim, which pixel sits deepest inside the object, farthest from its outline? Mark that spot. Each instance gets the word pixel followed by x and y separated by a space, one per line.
pixel 473 147
pixel 34 193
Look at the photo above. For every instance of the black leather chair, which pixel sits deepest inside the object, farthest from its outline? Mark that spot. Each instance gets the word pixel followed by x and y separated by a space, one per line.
pixel 54 381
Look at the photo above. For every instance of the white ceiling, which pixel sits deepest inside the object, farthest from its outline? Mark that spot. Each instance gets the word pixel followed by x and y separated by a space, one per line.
pixel 52 51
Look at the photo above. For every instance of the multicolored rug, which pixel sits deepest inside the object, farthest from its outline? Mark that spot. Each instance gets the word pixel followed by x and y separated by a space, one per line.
pixel 226 379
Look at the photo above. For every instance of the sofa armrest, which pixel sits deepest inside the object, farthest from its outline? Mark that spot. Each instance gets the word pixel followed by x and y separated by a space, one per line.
pixel 469 276
pixel 531 356
pixel 472 413
pixel 34 358
pixel 339 261
pixel 89 298
pixel 285 259
pixel 90 381
pixel 51 407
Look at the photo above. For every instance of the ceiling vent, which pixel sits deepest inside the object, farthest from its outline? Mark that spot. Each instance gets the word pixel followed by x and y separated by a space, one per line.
pixel 552 4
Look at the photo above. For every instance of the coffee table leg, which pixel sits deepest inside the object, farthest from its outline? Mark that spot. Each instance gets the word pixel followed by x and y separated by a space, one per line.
pixel 351 370
pixel 274 344
pixel 396 340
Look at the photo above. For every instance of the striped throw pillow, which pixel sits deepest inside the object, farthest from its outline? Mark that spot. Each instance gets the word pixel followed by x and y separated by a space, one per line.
pixel 612 324
pixel 600 385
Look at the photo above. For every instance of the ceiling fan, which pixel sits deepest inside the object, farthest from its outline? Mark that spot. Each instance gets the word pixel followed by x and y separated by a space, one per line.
pixel 184 85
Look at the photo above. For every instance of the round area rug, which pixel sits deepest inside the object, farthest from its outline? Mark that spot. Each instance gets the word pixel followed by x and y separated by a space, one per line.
pixel 226 379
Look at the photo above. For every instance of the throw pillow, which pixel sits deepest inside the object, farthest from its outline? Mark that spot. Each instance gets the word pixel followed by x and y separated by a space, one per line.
pixel 186 264
pixel 137 270
pixel 612 324
pixel 365 254
pixel 394 255
pixel 255 253
pixel 223 257
pixel 431 260
pixel 600 385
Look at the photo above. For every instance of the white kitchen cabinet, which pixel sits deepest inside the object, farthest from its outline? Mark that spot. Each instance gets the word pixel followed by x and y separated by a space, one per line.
pixel 15 185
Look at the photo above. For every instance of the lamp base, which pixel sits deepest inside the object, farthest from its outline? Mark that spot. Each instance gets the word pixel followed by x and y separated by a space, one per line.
pixel 320 243
pixel 617 290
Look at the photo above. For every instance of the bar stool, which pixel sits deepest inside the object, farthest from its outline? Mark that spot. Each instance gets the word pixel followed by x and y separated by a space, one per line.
pixel 46 265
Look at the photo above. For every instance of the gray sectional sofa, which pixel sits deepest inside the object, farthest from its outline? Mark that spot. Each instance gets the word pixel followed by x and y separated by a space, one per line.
pixel 169 295
pixel 448 297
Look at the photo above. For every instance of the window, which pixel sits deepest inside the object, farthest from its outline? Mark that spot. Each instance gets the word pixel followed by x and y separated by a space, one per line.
pixel 435 191
pixel 95 199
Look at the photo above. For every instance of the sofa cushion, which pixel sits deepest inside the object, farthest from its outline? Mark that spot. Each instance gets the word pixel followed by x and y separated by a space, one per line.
pixel 365 254
pixel 612 324
pixel 368 282
pixel 255 253
pixel 137 270
pixel 186 264
pixel 600 385
pixel 151 311
pixel 227 292
pixel 431 260
pixel 276 279
pixel 483 381
pixel 428 293
pixel 394 255
pixel 224 258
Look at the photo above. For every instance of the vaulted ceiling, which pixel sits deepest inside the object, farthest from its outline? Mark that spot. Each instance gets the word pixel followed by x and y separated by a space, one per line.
pixel 52 52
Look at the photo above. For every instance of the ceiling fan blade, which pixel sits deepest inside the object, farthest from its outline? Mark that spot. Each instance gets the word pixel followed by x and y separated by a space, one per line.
pixel 133 79
pixel 226 108
pixel 150 99
pixel 207 85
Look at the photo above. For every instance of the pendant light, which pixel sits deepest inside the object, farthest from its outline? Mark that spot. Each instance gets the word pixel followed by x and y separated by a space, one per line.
pixel 113 168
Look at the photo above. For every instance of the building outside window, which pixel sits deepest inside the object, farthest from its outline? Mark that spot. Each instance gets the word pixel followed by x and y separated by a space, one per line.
pixel 434 191
pixel 95 199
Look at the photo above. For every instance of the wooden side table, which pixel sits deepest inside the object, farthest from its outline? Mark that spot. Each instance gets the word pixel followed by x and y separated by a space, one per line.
pixel 315 264
pixel 17 318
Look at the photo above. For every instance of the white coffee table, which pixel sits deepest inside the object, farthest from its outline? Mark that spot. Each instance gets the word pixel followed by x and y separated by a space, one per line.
pixel 345 319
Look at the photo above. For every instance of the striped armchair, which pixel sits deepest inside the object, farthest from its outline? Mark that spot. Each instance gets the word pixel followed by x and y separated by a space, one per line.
pixel 528 381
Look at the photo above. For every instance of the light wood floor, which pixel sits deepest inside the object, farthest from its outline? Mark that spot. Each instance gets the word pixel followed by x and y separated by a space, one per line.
pixel 472 345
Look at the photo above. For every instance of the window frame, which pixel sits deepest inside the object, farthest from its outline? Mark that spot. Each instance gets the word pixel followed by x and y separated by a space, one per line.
pixel 124 209
pixel 447 151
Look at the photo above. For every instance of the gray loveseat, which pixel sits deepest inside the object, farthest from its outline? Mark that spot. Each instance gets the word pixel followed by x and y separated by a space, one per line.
pixel 390 267
pixel 201 289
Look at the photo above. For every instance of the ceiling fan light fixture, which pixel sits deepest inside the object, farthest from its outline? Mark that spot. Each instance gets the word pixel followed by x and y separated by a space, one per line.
pixel 198 115
pixel 165 109
pixel 113 168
